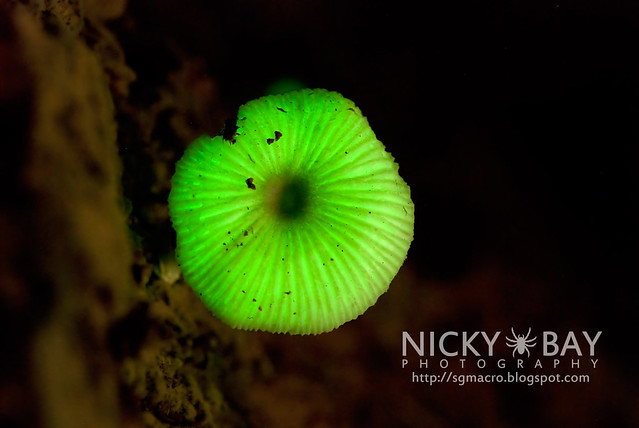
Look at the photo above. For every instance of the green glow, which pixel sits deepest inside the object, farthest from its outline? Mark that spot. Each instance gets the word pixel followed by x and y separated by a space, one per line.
pixel 298 222
pixel 284 85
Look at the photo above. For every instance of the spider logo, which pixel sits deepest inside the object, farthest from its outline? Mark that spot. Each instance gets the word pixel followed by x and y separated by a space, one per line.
pixel 521 343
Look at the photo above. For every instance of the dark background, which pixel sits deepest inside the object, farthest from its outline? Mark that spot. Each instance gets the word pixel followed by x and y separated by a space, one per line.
pixel 514 122
pixel 510 120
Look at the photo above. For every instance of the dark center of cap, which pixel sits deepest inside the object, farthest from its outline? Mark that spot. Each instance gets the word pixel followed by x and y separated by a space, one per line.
pixel 293 198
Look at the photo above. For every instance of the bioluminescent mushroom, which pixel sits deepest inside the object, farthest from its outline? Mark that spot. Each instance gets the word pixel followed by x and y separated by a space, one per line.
pixel 295 220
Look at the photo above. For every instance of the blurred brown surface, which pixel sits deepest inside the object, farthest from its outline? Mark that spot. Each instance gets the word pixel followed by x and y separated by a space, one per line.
pixel 516 127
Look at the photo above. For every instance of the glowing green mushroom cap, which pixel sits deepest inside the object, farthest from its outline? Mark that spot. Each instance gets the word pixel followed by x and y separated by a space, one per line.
pixel 295 220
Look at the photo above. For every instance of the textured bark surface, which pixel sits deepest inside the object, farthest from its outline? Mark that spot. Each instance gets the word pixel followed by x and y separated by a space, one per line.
pixel 67 272
pixel 88 345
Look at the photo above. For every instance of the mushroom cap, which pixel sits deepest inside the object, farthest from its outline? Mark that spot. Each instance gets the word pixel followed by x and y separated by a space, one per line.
pixel 295 220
